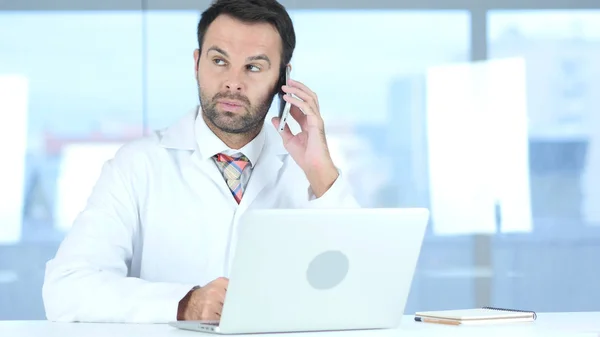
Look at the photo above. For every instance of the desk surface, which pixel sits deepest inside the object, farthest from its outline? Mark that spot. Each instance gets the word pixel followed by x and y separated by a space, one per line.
pixel 547 325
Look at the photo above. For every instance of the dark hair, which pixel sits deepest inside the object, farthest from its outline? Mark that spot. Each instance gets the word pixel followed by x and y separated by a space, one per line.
pixel 254 11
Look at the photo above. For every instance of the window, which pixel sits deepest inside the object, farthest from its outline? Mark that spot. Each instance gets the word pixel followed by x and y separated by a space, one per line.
pixel 71 91
pixel 171 41
pixel 86 82
pixel 561 49
pixel 369 73
pixel 549 268
pixel 478 148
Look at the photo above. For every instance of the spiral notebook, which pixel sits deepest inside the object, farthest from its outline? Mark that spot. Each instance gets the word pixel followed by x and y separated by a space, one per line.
pixel 485 315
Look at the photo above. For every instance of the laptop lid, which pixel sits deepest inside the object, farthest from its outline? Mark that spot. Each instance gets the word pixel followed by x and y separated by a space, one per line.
pixel 315 270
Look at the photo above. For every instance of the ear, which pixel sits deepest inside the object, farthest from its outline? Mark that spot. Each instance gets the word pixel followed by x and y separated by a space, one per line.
pixel 196 60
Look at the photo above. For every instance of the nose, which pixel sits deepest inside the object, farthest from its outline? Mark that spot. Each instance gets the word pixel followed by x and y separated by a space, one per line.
pixel 233 86
pixel 234 82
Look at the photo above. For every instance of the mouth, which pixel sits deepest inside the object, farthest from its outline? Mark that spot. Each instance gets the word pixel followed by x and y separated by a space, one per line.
pixel 230 105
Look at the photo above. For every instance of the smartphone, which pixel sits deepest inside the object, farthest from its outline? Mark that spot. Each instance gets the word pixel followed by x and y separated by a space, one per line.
pixel 284 107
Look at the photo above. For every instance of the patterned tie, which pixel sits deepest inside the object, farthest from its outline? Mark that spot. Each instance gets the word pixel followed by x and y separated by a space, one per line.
pixel 232 168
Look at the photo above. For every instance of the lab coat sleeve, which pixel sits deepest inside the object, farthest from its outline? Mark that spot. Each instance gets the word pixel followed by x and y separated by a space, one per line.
pixel 339 195
pixel 88 280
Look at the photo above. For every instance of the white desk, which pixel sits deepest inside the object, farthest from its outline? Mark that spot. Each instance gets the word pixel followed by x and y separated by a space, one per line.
pixel 547 325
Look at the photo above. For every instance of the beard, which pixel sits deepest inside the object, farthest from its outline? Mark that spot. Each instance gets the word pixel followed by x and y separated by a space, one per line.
pixel 249 121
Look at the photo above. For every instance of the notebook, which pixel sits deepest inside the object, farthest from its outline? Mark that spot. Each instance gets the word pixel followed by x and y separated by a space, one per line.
pixel 485 315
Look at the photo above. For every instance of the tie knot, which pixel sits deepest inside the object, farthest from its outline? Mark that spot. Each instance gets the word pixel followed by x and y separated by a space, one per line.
pixel 232 166
pixel 223 158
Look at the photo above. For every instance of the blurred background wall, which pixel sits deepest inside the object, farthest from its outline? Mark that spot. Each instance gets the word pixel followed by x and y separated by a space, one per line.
pixel 484 111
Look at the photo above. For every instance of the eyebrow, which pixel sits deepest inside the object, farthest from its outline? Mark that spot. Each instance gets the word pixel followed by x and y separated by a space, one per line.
pixel 260 57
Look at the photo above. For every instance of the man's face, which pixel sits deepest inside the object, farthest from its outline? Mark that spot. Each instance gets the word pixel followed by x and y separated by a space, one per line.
pixel 237 73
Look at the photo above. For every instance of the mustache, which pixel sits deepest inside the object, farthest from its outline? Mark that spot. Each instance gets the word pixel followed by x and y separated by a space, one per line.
pixel 232 96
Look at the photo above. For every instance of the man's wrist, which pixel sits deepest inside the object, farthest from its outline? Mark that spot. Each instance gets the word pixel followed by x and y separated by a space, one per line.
pixel 183 304
pixel 321 180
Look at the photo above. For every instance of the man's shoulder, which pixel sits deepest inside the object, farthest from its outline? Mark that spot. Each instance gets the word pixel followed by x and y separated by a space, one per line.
pixel 138 150
pixel 144 144
pixel 179 135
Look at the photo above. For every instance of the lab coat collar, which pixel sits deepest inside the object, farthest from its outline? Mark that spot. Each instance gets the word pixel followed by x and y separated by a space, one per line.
pixel 209 144
pixel 180 135
pixel 183 135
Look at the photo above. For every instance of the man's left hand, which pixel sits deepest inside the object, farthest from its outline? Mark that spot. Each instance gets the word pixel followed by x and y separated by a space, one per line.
pixel 309 147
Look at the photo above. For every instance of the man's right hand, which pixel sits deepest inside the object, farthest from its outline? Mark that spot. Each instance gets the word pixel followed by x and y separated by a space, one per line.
pixel 205 303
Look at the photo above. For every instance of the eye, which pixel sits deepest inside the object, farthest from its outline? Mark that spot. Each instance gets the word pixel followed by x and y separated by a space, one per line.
pixel 219 62
pixel 253 68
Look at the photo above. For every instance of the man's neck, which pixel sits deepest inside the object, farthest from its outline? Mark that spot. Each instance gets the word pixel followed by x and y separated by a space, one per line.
pixel 234 141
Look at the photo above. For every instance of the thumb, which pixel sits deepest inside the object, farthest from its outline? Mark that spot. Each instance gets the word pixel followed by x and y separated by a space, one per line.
pixel 286 134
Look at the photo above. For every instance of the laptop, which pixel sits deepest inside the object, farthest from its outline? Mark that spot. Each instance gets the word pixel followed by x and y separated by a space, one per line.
pixel 300 270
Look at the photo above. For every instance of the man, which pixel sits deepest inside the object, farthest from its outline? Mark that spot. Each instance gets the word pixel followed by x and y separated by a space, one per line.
pixel 156 239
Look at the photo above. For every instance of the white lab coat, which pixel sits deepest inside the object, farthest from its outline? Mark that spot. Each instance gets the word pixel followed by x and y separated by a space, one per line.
pixel 160 221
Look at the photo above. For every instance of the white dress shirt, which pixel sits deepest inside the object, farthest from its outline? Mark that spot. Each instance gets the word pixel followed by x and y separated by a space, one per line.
pixel 161 220
pixel 209 143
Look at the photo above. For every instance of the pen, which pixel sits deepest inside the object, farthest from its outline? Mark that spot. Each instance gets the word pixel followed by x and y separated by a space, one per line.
pixel 437 321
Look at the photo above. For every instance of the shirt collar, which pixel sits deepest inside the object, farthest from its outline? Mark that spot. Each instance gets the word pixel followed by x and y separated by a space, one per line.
pixel 189 133
pixel 209 144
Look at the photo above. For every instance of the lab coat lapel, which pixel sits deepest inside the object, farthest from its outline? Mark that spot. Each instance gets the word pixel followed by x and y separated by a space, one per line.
pixel 264 173
pixel 181 137
pixel 209 170
pixel 267 167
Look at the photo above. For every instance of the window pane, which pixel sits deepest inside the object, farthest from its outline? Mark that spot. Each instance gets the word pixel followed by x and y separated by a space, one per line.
pixel 74 82
pixel 478 148
pixel 172 89
pixel 369 70
pixel 549 266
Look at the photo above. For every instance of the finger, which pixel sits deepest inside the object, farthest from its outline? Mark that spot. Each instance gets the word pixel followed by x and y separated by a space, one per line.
pixel 311 118
pixel 214 301
pixel 299 116
pixel 212 306
pixel 218 306
pixel 221 296
pixel 217 309
pixel 222 281
pixel 219 282
pixel 302 95
pixel 286 134
pixel 212 316
pixel 303 87
pixel 225 283
pixel 217 294
pixel 304 106
pixel 210 313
